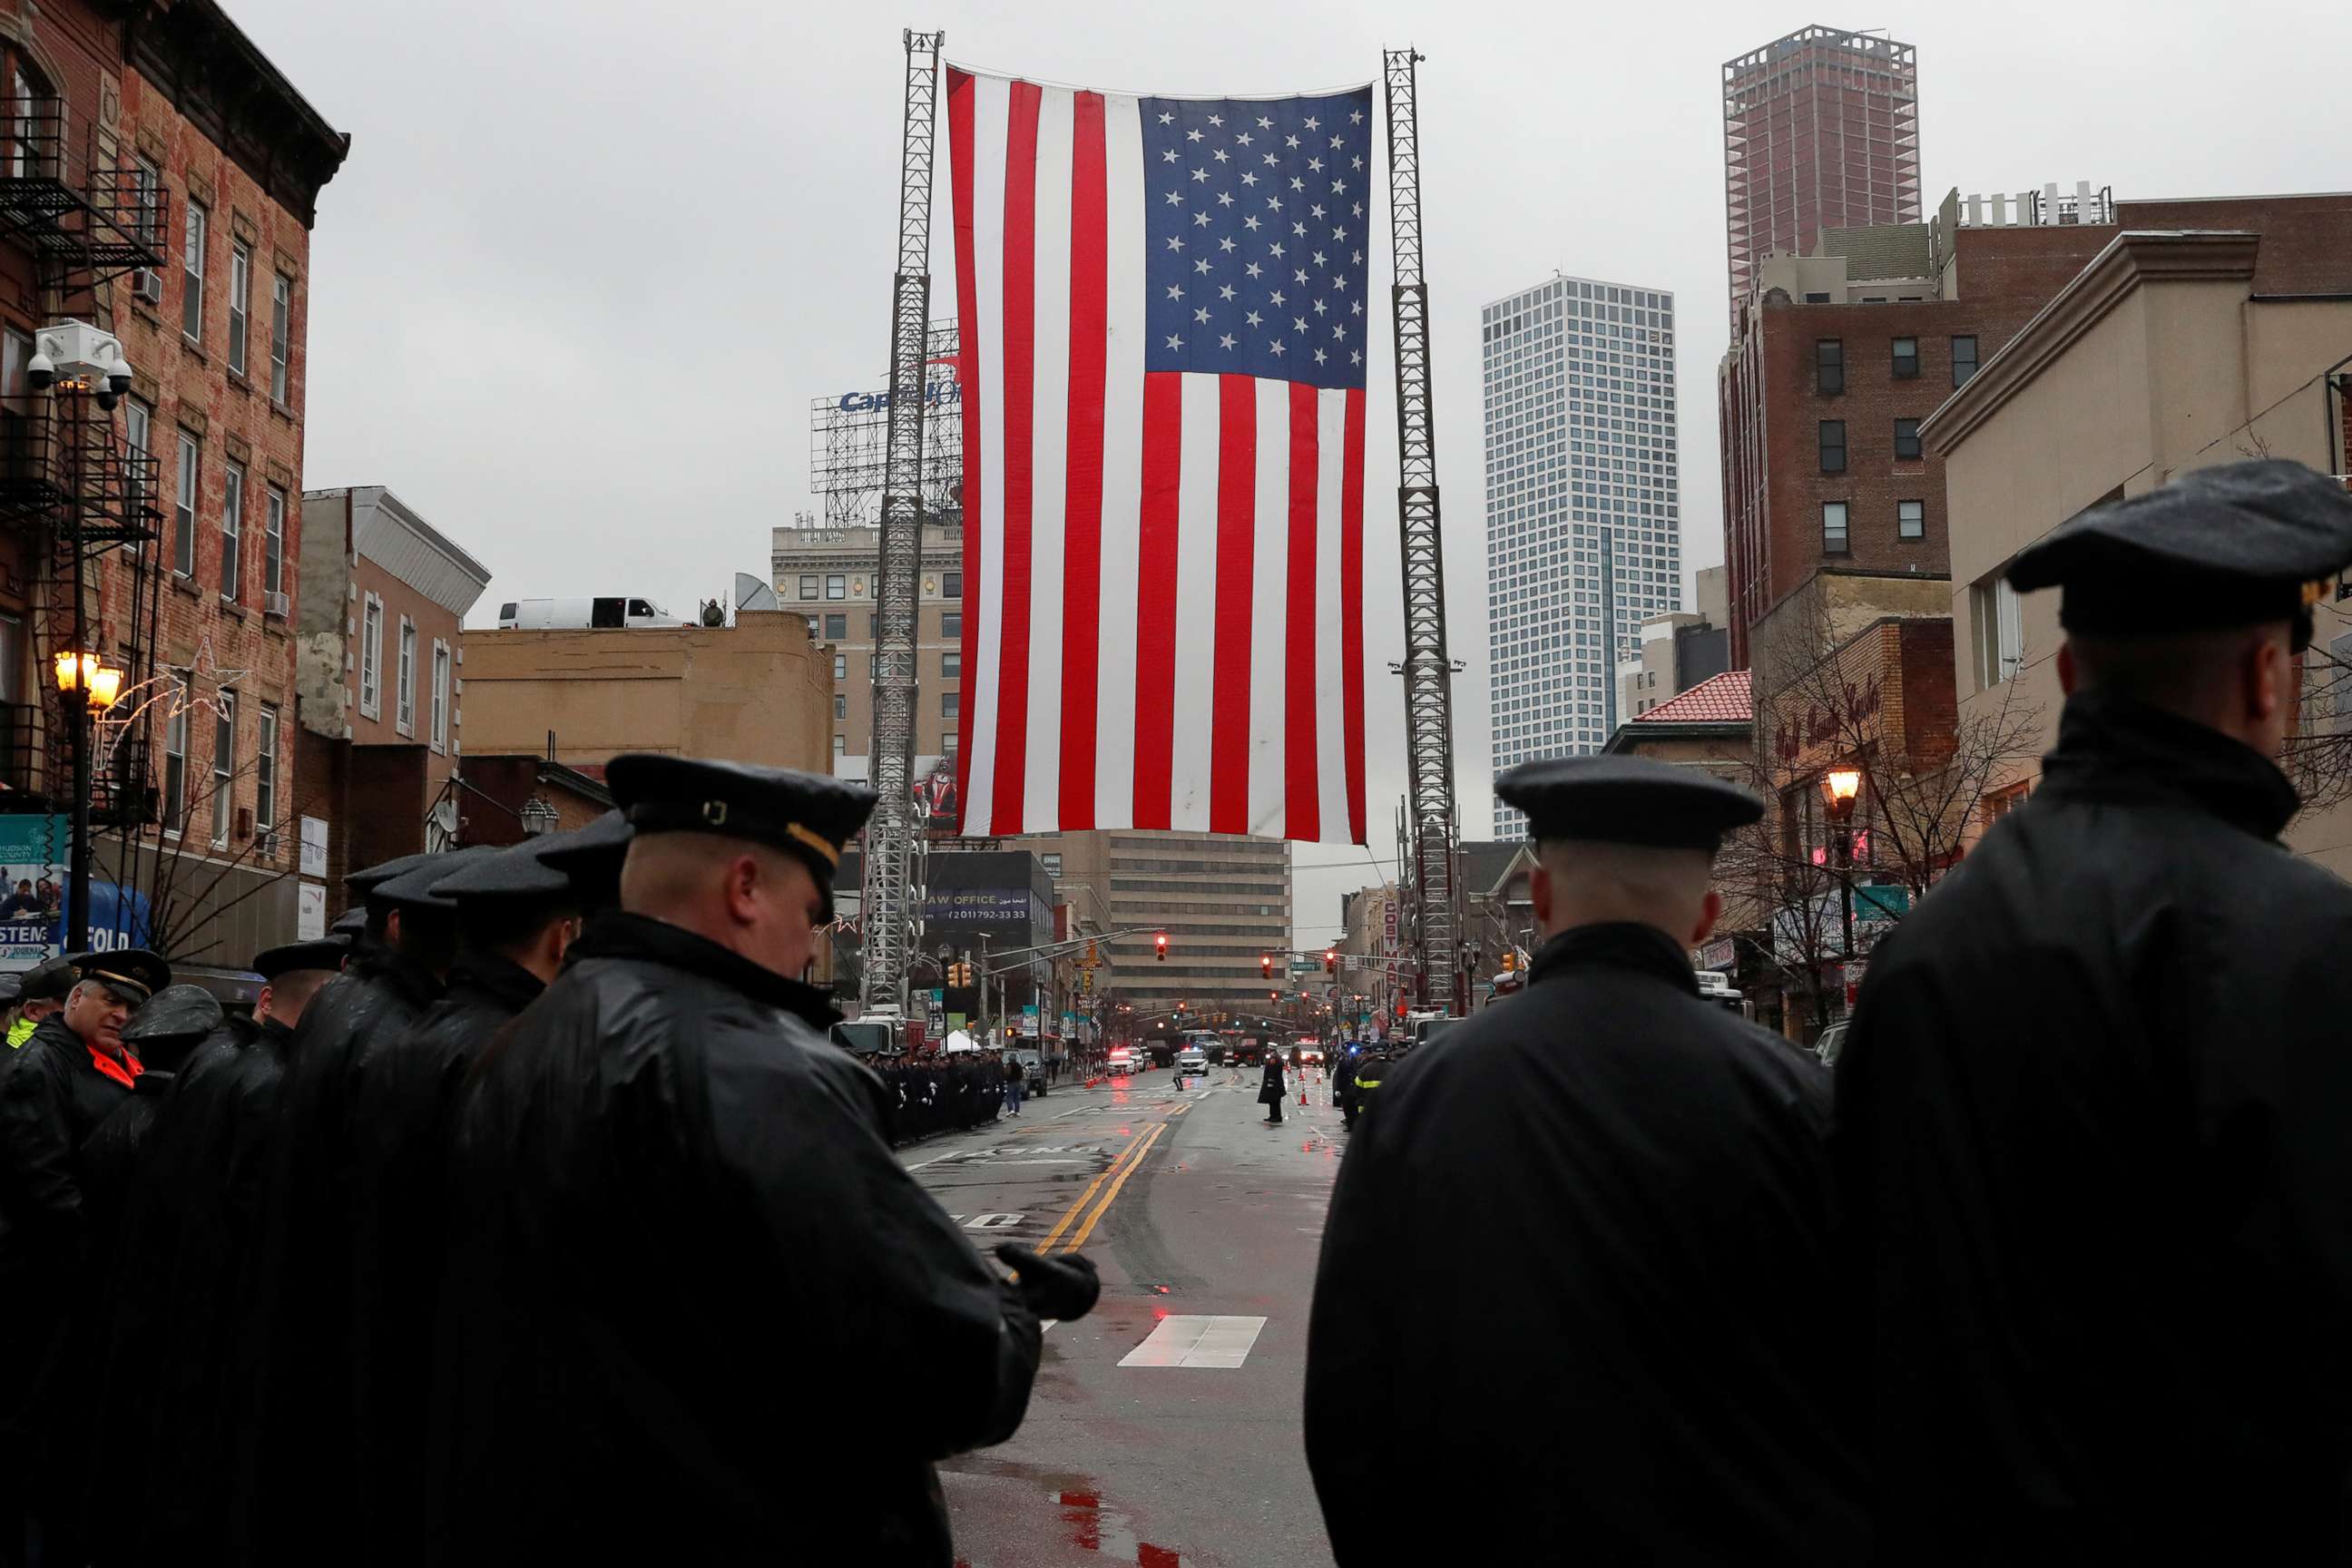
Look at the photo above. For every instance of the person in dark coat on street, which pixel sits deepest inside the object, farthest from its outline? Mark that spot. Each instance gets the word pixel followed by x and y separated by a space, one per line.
pixel 2093 1111
pixel 1576 1262
pixel 664 1148
pixel 516 917
pixel 55 1091
pixel 298 1443
pixel 1343 1085
pixel 1269 1087
pixel 188 1235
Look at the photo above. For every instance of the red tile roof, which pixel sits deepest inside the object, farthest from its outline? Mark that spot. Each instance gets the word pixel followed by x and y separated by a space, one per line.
pixel 1718 700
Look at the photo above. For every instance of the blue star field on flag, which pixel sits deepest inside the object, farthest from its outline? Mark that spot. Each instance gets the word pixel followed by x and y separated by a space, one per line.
pixel 1258 213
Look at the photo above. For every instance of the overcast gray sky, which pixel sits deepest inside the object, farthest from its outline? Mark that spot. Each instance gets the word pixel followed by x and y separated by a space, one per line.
pixel 589 262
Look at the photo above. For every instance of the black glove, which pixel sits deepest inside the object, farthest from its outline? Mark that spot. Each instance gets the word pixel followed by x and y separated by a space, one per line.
pixel 1063 1287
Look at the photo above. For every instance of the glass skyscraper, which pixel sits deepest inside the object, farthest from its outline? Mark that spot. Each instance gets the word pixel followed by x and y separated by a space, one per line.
pixel 1584 511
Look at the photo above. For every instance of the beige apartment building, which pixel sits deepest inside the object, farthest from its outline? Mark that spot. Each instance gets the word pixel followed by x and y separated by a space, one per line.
pixel 757 691
pixel 2204 333
pixel 824 574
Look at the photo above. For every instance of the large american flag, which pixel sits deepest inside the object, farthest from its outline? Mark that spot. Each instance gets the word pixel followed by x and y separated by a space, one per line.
pixel 1164 342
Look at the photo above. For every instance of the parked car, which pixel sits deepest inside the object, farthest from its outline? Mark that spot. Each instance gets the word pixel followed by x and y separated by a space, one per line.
pixel 1831 1042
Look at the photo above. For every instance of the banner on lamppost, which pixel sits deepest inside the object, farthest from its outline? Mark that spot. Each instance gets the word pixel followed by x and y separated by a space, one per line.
pixel 35 851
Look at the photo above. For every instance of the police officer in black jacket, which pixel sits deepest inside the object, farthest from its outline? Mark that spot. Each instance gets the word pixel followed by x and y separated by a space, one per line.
pixel 180 1293
pixel 70 1076
pixel 2095 1116
pixel 705 1311
pixel 298 1444
pixel 1576 1261
pixel 516 915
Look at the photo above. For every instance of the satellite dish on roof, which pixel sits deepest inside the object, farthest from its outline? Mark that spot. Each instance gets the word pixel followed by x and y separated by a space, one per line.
pixel 750 594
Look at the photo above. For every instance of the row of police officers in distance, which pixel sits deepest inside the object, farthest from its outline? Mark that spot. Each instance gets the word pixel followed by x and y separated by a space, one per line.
pixel 536 1220
pixel 941 1093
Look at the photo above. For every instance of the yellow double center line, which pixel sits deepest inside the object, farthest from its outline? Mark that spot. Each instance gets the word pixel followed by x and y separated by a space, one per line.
pixel 1116 1175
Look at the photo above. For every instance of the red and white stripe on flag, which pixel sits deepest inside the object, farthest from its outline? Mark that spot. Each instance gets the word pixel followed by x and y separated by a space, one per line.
pixel 1163 570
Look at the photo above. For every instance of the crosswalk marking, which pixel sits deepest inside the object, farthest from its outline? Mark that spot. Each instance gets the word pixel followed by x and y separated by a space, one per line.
pixel 1199 1342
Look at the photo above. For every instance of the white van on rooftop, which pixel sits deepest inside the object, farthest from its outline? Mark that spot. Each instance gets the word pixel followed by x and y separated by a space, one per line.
pixel 545 614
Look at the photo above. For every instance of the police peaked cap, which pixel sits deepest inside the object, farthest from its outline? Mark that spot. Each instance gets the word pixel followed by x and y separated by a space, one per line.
pixel 808 815
pixel 365 880
pixel 417 888
pixel 516 871
pixel 327 954
pixel 51 980
pixel 1626 800
pixel 132 971
pixel 592 857
pixel 172 1013
pixel 2235 545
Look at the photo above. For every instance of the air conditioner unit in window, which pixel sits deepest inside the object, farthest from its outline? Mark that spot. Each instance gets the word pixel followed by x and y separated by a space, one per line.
pixel 274 605
pixel 148 286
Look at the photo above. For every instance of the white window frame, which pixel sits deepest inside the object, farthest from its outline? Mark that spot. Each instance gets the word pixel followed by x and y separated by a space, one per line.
pixel 2000 630
pixel 147 191
pixel 240 302
pixel 371 658
pixel 183 507
pixel 281 334
pixel 191 274
pixel 265 778
pixel 224 767
pixel 403 691
pixel 138 429
pixel 440 695
pixel 175 758
pixel 273 546
pixel 232 531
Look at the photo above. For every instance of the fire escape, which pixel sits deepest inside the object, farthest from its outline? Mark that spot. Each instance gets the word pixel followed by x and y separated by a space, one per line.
pixel 70 483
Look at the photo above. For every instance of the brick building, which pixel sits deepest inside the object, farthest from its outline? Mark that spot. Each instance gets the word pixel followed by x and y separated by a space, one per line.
pixel 381 677
pixel 1837 358
pixel 160 181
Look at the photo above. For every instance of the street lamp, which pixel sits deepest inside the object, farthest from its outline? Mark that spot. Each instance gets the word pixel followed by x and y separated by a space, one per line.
pixel 98 684
pixel 538 817
pixel 1844 786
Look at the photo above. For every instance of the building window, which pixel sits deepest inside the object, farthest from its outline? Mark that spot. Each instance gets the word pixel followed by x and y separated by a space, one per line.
pixel 950 623
pixel 841 666
pixel 184 510
pixel 951 665
pixel 192 275
pixel 951 585
pixel 841 705
pixel 1829 366
pixel 874 626
pixel 232 528
pixel 2000 630
pixel 1833 442
pixel 224 765
pixel 836 628
pixel 372 658
pixel 404 679
pixel 837 585
pixel 281 333
pixel 240 301
pixel 175 758
pixel 273 542
pixel 841 745
pixel 1906 439
pixel 138 420
pixel 264 773
pixel 147 200
pixel 808 585
pixel 1833 527
pixel 440 695
pixel 948 700
pixel 1911 518
pixel 946 742
pixel 1964 359
pixel 1907 359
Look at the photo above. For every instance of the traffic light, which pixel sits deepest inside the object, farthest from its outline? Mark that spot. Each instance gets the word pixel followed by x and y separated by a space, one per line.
pixel 1330 961
pixel 1160 947
pixel 1274 995
pixel 1266 964
pixel 1400 1007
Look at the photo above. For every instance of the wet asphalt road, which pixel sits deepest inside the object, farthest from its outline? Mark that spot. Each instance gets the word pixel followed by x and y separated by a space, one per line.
pixel 1194 1209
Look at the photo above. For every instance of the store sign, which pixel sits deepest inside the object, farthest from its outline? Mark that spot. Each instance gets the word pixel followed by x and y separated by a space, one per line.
pixel 314 847
pixel 976 906
pixel 936 394
pixel 309 911
pixel 1718 955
